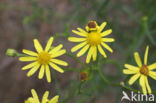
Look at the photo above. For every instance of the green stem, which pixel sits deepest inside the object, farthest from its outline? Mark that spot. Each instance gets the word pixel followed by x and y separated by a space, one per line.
pixel 58 89
pixel 103 77
pixel 115 84
pixel 21 55
pixel 76 59
pixel 147 32
pixel 80 86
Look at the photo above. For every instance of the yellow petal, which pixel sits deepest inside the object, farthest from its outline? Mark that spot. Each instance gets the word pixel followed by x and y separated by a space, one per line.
pixel 75 39
pixel 56 49
pixel 95 53
pixel 79 33
pixel 142 84
pixel 152 66
pixel 146 55
pixel 60 62
pixel 26 101
pixel 127 71
pixel 57 68
pixel 83 50
pixel 54 99
pixel 30 100
pixel 33 70
pixel 29 65
pixel 83 31
pixel 132 68
pixel 45 97
pixel 134 78
pixel 38 46
pixel 141 81
pixel 50 41
pixel 48 74
pixel 101 51
pixel 90 53
pixel 107 32
pixel 35 96
pixel 137 59
pixel 31 53
pixel 27 59
pixel 152 74
pixel 59 53
pixel 108 39
pixel 147 85
pixel 107 47
pixel 77 47
pixel 102 27
pixel 41 72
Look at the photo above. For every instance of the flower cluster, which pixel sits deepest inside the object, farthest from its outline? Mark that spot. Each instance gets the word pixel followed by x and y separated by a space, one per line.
pixel 91 40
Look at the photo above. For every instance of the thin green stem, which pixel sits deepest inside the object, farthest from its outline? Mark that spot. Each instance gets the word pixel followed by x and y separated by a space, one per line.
pixel 76 59
pixel 148 33
pixel 21 55
pixel 131 89
pixel 114 84
pixel 103 77
pixel 58 89
pixel 80 86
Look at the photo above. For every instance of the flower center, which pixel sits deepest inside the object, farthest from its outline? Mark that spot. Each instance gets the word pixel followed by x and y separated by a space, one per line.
pixel 144 70
pixel 94 38
pixel 44 57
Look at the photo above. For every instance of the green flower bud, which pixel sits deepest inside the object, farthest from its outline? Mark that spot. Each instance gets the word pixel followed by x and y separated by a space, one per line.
pixel 11 53
pixel 122 84
pixel 144 18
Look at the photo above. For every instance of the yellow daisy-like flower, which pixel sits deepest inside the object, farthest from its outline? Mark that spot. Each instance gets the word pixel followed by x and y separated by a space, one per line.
pixel 35 99
pixel 142 72
pixel 43 59
pixel 93 39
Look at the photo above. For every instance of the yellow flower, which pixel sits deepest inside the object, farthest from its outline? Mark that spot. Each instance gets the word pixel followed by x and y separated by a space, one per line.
pixel 35 99
pixel 142 71
pixel 43 59
pixel 93 39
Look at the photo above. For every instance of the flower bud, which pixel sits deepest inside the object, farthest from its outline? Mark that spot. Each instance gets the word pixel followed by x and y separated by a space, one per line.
pixel 122 84
pixel 11 52
pixel 91 26
pixel 83 76
pixel 144 18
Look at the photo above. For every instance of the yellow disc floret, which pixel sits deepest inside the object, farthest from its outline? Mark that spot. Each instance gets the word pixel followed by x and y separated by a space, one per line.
pixel 44 57
pixel 94 38
pixel 144 70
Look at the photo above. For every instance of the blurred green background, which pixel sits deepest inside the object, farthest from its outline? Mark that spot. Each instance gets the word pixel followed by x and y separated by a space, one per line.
pixel 133 23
